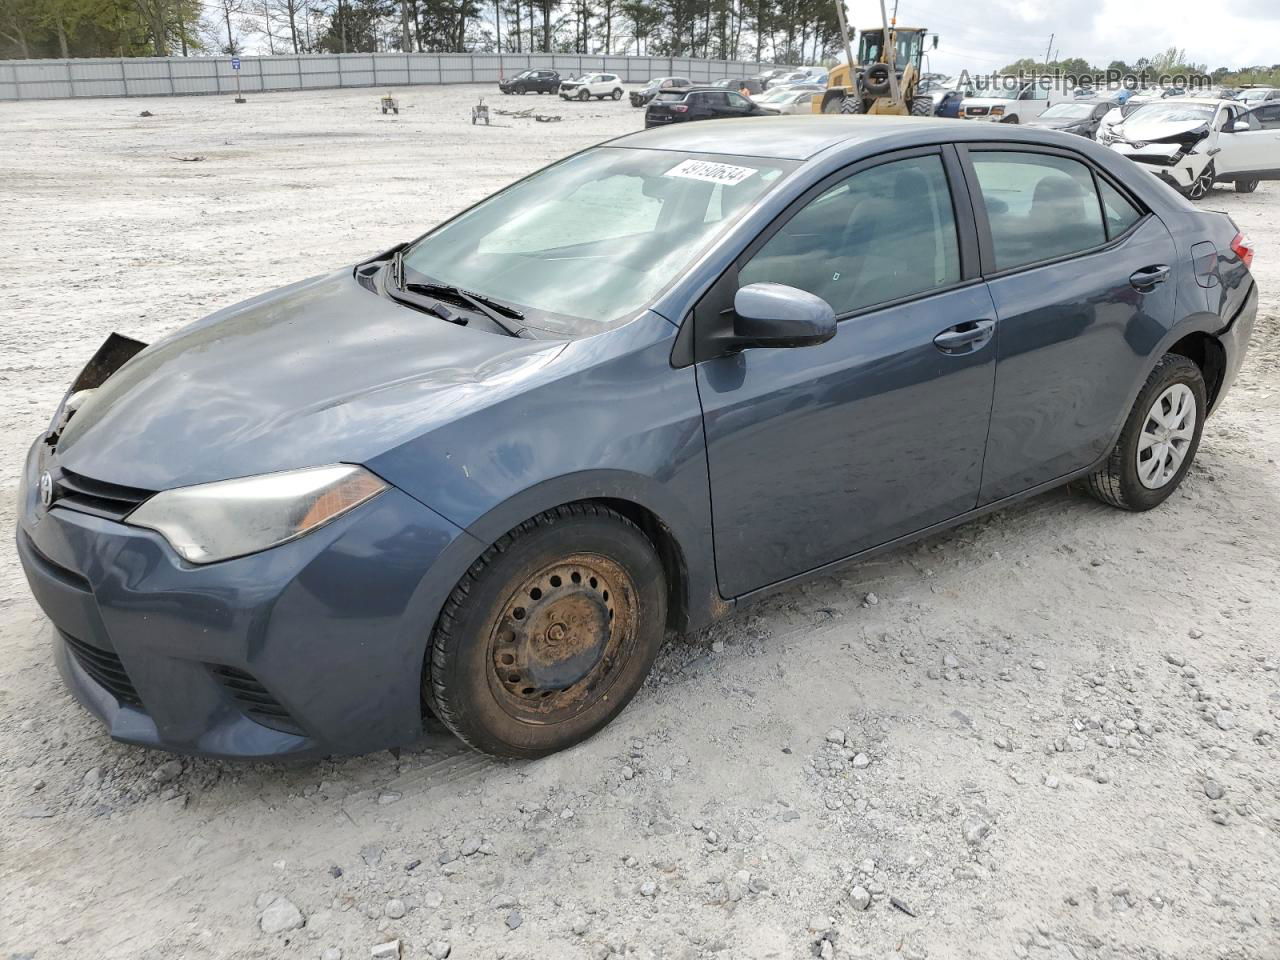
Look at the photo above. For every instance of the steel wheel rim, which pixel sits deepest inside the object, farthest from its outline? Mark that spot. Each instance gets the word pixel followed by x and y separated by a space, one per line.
pixel 1166 436
pixel 562 638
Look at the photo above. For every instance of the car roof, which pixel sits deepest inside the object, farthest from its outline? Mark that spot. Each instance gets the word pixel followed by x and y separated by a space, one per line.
pixel 803 136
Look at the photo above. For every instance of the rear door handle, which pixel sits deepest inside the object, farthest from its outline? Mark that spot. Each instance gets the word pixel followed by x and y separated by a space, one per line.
pixel 1148 277
pixel 965 337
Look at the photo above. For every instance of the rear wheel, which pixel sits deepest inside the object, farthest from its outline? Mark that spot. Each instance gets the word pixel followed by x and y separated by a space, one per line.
pixel 1246 186
pixel 851 105
pixel 549 634
pixel 1159 440
pixel 1012 119
pixel 922 106
pixel 617 93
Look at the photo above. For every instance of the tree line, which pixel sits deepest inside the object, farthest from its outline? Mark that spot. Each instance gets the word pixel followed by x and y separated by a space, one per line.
pixel 782 31
pixel 1172 61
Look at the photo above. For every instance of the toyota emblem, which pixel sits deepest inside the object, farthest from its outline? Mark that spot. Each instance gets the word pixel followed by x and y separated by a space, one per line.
pixel 46 489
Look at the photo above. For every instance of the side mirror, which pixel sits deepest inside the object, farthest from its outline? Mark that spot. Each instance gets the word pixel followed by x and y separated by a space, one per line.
pixel 775 315
pixel 1237 126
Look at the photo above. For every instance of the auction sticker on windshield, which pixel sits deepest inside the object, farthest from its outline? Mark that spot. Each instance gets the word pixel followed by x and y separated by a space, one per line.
pixel 725 173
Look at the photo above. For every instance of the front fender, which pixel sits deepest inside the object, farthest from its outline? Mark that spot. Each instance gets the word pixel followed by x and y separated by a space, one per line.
pixel 610 419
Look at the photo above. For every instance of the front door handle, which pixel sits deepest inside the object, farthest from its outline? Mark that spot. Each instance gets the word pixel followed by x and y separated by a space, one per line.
pixel 965 337
pixel 1148 277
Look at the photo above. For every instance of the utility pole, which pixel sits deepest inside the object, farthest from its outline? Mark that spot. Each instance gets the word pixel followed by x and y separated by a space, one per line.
pixel 1049 50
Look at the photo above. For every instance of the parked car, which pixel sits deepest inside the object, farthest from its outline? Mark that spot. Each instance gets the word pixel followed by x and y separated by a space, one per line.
pixel 768 76
pixel 747 87
pixel 1253 96
pixel 1116 114
pixel 598 85
pixel 794 98
pixel 1193 144
pixel 531 81
pixel 1081 117
pixel 700 103
pixel 1015 103
pixel 646 93
pixel 482 473
pixel 947 103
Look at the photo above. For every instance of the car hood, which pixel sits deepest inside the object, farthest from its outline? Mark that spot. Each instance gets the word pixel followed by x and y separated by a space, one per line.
pixel 319 372
pixel 1138 130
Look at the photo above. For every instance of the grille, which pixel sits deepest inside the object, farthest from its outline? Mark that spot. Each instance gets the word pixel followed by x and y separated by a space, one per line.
pixel 255 700
pixel 109 500
pixel 105 668
pixel 976 111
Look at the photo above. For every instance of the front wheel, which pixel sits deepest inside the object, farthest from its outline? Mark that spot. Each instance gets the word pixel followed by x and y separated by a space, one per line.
pixel 1201 186
pixel 1246 186
pixel 549 634
pixel 922 106
pixel 584 95
pixel 1159 440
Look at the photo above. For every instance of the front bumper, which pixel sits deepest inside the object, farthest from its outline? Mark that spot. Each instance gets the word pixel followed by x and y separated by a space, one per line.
pixel 310 648
pixel 1168 161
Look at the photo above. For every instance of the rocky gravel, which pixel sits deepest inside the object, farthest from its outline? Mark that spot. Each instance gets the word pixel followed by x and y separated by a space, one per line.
pixel 1049 733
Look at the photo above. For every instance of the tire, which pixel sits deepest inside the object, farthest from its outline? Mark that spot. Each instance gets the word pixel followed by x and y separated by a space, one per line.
pixel 1119 481
pixel 1013 119
pixel 852 106
pixel 1202 185
pixel 521 91
pixel 922 107
pixel 617 93
pixel 584 95
pixel 1246 186
pixel 876 80
pixel 496 674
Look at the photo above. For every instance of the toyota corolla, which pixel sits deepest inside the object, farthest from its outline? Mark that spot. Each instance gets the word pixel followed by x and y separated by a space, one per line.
pixel 479 475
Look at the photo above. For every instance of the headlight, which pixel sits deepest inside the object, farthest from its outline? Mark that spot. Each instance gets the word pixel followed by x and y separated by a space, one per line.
pixel 997 111
pixel 217 521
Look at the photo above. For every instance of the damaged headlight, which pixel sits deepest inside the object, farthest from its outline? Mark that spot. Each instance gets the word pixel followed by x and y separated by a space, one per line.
pixel 231 518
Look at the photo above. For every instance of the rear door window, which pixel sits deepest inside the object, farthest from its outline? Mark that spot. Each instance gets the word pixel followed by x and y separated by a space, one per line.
pixel 1040 206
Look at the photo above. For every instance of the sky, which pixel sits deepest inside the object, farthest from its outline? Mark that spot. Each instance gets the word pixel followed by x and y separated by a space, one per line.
pixel 993 33
pixel 989 34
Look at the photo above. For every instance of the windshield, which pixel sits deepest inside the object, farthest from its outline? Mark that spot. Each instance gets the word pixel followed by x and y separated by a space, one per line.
pixel 1069 110
pixel 1173 112
pixel 1253 95
pixel 587 242
pixel 908 47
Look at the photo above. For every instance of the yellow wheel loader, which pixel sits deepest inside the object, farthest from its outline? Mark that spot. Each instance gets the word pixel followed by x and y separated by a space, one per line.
pixel 884 79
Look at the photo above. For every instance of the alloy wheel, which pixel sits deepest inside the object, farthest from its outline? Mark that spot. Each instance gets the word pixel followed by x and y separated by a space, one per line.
pixel 1202 185
pixel 1166 436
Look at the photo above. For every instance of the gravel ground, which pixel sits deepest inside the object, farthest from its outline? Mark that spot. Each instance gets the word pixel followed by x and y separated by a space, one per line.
pixel 1048 733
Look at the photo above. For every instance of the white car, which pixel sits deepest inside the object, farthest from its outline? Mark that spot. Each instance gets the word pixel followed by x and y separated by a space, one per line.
pixel 1192 144
pixel 1015 103
pixel 598 85
pixel 794 98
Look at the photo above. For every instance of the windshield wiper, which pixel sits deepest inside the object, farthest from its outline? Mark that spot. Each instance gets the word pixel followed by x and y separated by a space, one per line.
pixel 495 310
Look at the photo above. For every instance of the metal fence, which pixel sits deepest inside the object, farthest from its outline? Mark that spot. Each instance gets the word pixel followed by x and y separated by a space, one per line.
pixel 175 76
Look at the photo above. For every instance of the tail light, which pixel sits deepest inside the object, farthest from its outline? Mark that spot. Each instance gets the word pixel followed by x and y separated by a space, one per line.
pixel 679 108
pixel 1242 247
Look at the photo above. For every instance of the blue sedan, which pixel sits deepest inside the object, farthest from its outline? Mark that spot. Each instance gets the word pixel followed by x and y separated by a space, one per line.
pixel 480 474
